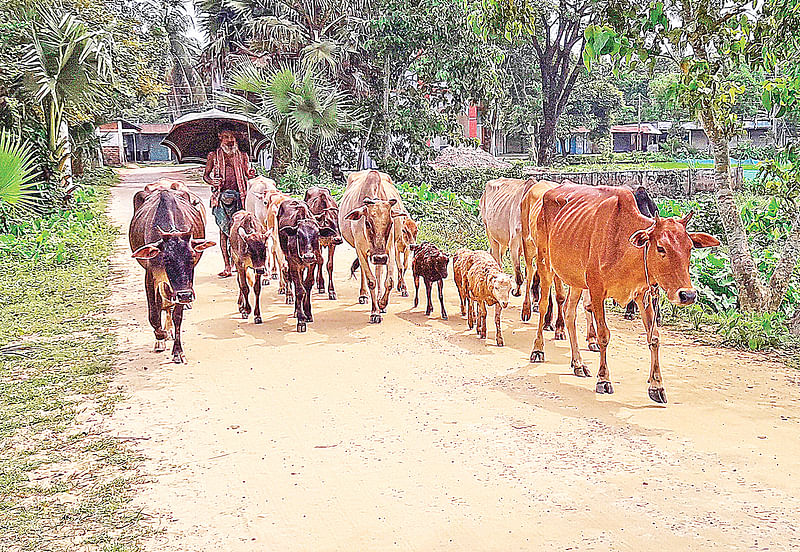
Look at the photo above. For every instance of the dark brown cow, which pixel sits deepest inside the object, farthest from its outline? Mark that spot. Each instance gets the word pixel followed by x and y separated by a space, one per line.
pixel 167 237
pixel 431 264
pixel 249 251
pixel 595 238
pixel 299 233
pixel 324 208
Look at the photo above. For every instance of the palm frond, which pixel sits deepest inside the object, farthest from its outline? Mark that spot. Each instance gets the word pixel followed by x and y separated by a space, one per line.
pixel 18 187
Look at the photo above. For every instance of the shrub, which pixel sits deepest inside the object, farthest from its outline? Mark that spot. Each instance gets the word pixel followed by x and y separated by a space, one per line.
pixel 465 182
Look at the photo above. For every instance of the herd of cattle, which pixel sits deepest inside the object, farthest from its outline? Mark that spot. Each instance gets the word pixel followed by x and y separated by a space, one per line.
pixel 577 242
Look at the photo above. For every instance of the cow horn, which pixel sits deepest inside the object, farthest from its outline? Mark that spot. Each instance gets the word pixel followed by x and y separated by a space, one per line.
pixel 368 201
pixel 685 220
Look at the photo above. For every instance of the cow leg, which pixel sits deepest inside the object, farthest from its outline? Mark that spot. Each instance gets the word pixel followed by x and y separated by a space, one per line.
pixel 309 286
pixel 481 319
pixel 548 316
pixel 462 296
pixel 257 299
pixel 177 347
pixel 416 290
pixel 497 311
pixel 402 264
pixel 154 312
pixel 591 333
pixel 630 311
pixel 529 248
pixel 470 312
pixel 168 326
pixel 372 284
pixel 571 314
pixel 546 276
pixel 317 268
pixel 657 307
pixel 244 291
pixel 299 294
pixel 560 299
pixel 331 290
pixel 362 294
pixel 496 249
pixel 289 286
pixel 516 251
pixel 388 284
pixel 429 307
pixel 603 337
pixel 656 386
pixel 441 299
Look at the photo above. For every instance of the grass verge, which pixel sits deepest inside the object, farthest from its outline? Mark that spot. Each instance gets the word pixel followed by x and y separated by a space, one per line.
pixel 62 486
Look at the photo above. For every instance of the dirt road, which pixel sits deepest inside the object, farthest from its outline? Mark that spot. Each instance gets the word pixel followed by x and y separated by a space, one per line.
pixel 415 435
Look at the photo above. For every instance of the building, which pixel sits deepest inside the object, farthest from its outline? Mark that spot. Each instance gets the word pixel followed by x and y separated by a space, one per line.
pixel 634 137
pixel 756 131
pixel 123 142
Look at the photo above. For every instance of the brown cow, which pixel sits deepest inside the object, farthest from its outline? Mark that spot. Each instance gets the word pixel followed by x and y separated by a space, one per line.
pixel 249 250
pixel 167 237
pixel 324 208
pixel 369 207
pixel 595 238
pixel 299 235
pixel 431 264
pixel 405 235
pixel 481 283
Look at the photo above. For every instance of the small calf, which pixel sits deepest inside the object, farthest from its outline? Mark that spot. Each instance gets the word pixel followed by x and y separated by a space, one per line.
pixel 249 250
pixel 431 264
pixel 481 280
pixel 405 234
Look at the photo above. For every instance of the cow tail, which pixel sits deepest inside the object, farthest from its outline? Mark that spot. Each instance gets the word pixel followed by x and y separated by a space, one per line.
pixel 353 268
pixel 251 277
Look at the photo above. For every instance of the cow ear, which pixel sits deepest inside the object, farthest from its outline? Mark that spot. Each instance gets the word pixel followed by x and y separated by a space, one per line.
pixel 242 233
pixel 199 245
pixel 701 240
pixel 148 251
pixel 288 230
pixel 396 214
pixel 685 220
pixel 640 238
pixel 355 214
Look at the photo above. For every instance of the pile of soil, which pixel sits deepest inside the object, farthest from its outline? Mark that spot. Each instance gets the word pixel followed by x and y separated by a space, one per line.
pixel 467 158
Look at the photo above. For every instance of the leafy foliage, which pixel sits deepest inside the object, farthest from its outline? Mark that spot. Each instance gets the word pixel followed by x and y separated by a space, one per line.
pixel 17 175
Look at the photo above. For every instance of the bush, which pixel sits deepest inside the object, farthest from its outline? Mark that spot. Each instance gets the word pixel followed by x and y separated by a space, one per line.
pixel 297 180
pixel 465 182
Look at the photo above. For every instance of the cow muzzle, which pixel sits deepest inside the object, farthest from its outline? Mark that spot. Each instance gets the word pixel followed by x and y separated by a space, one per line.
pixel 260 270
pixel 687 296
pixel 309 257
pixel 380 259
pixel 338 240
pixel 184 296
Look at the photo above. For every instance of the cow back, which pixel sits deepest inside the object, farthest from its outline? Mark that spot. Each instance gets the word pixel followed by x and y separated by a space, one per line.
pixel 500 207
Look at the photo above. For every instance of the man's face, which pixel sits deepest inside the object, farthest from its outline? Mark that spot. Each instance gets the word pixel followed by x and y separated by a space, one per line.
pixel 227 141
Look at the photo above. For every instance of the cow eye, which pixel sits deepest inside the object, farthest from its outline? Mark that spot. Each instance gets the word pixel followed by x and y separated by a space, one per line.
pixel 661 249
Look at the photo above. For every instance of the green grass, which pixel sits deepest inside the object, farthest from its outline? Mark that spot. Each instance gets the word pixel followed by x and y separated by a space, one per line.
pixel 60 488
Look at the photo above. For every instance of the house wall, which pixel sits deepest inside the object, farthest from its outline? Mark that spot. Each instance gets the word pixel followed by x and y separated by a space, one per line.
pixel 111 155
pixel 149 148
pixel 622 142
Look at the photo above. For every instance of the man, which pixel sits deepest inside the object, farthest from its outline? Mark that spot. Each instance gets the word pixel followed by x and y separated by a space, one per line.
pixel 227 171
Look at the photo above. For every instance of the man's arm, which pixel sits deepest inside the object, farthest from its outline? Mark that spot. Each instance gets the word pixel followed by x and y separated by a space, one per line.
pixel 251 172
pixel 209 168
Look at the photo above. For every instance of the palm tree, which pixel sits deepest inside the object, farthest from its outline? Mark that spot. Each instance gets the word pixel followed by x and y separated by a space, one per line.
pixel 67 67
pixel 17 174
pixel 225 30
pixel 296 108
pixel 184 52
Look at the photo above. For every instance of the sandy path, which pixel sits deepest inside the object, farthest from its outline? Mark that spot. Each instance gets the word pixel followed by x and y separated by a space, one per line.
pixel 415 435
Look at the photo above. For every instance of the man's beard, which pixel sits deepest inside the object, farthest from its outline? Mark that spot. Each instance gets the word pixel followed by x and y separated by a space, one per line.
pixel 229 149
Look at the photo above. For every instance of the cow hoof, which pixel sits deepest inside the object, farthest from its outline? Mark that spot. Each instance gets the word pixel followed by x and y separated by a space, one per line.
pixel 275 276
pixel 604 388
pixel 309 319
pixel 548 327
pixel 161 346
pixel 500 342
pixel 526 313
pixel 627 316
pixel 178 358
pixel 257 320
pixel 289 300
pixel 444 317
pixel 281 291
pixel 362 299
pixel 265 281
pixel 244 316
pixel 559 335
pixel 383 310
pixel 594 347
pixel 516 292
pixel 580 370
pixel 404 293
pixel 321 290
pixel 535 308
pixel 657 394
pixel 374 318
pixel 537 356
pixel 301 327
pixel 428 312
pixel 332 296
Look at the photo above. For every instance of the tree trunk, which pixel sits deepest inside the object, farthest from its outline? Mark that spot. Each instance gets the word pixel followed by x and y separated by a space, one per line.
pixel 281 158
pixel 547 141
pixel 313 159
pixel 779 282
pixel 745 273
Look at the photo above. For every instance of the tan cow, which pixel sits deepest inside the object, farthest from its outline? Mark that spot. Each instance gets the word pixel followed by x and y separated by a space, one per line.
pixel 369 208
pixel 405 235
pixel 500 210
pixel 257 202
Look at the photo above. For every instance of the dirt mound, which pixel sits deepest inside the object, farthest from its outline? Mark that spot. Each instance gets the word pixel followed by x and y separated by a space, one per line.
pixel 467 158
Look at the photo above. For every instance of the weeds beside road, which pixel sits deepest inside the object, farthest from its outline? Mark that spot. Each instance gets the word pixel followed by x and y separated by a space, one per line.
pixel 62 486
